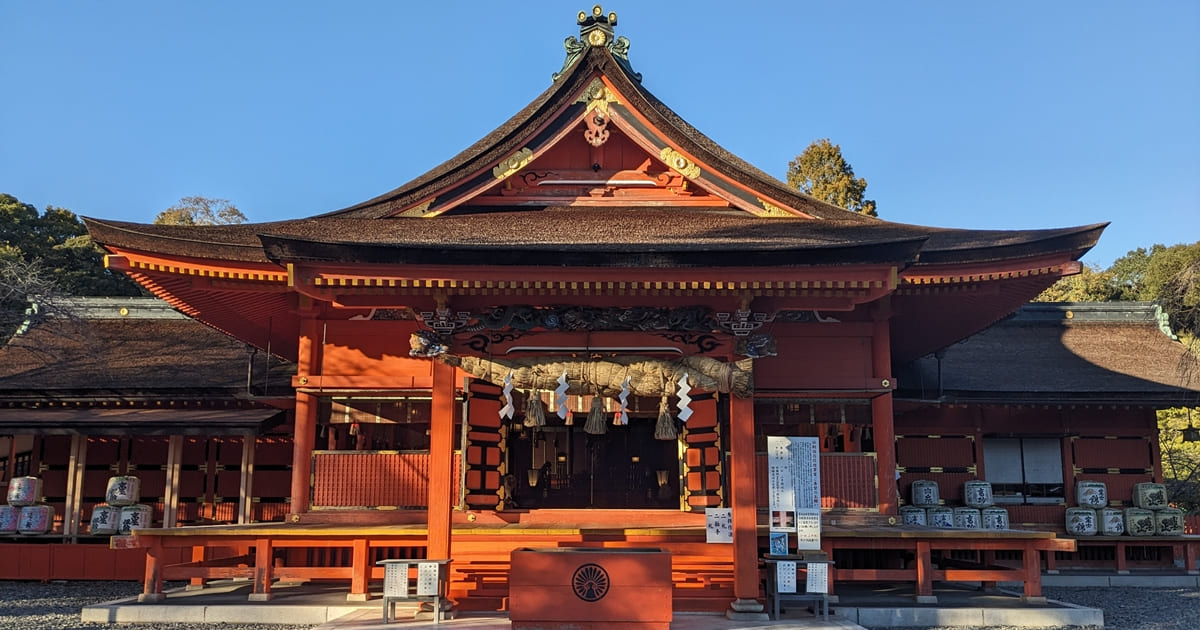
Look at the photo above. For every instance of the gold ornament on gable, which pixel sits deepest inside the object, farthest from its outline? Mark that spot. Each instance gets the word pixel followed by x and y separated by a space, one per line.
pixel 513 163
pixel 679 163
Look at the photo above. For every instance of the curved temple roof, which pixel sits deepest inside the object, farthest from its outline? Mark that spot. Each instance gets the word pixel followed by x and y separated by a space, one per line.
pixel 598 173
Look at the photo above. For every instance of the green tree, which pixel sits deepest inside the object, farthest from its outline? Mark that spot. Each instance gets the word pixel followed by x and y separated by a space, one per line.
pixel 1089 285
pixel 1181 456
pixel 197 210
pixel 821 172
pixel 57 241
pixel 1169 276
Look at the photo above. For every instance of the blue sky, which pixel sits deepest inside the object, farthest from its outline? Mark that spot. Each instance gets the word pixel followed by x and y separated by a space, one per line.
pixel 1016 114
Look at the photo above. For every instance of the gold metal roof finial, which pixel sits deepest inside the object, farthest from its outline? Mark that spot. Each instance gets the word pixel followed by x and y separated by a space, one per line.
pixel 596 31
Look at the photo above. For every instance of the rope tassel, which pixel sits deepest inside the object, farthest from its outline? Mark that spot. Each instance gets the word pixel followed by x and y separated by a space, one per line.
pixel 535 412
pixel 665 428
pixel 595 424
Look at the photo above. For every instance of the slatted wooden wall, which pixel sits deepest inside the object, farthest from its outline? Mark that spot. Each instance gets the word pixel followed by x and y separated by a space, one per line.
pixel 373 479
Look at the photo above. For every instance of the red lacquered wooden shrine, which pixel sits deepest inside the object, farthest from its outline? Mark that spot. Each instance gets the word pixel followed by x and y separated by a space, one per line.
pixel 595 235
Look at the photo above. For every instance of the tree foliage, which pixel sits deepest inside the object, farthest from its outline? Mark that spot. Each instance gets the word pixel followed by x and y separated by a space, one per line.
pixel 197 210
pixel 1169 276
pixel 1091 284
pixel 1180 457
pixel 43 257
pixel 821 172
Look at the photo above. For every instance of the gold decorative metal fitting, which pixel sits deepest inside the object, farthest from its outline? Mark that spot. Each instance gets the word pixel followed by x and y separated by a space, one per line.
pixel 773 210
pixel 677 161
pixel 418 210
pixel 597 95
pixel 513 163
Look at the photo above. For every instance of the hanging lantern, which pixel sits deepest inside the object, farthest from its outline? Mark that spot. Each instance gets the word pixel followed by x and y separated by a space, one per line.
pixel 595 424
pixel 665 429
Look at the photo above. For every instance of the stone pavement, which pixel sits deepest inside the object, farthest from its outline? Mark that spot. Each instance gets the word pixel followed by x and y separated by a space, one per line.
pixel 324 605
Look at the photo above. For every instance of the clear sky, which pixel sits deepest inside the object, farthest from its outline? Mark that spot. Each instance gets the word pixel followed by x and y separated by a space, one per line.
pixel 1015 114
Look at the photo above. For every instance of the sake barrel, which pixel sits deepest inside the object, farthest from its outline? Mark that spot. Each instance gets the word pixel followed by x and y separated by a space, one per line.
pixel 105 520
pixel 1081 521
pixel 912 515
pixel 1168 522
pixel 977 494
pixel 925 493
pixel 1148 496
pixel 35 519
pixel 133 516
pixel 967 518
pixel 8 519
pixel 1112 521
pixel 1139 522
pixel 24 491
pixel 994 518
pixel 1093 494
pixel 940 517
pixel 123 491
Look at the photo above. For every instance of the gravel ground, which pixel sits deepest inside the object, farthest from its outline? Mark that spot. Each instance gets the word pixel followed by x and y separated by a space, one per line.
pixel 1131 608
pixel 55 606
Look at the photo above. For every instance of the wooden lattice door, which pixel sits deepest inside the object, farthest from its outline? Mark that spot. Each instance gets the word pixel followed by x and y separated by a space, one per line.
pixel 484 447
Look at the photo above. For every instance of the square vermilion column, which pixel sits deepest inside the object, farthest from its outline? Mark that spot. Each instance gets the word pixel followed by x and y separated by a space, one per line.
pixel 745 510
pixel 883 422
pixel 304 431
pixel 441 445
pixel 303 442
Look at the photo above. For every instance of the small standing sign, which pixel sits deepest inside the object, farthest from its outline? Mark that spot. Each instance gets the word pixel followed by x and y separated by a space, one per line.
pixel 785 577
pixel 718 525
pixel 818 578
pixel 427 578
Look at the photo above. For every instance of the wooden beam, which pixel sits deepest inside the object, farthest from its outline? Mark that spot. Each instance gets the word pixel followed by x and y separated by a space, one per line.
pixel 246 485
pixel 74 498
pixel 171 487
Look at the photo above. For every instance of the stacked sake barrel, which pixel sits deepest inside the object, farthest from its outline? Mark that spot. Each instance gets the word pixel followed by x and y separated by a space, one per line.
pixel 924 497
pixel 122 512
pixel 31 516
pixel 1091 514
pixel 1152 513
pixel 977 495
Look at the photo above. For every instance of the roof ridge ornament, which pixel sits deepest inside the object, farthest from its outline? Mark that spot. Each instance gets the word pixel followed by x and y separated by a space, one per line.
pixel 596 31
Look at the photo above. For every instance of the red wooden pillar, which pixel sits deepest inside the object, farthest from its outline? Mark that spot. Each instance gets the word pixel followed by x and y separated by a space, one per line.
pixel 1032 563
pixel 359 571
pixel 441 465
pixel 882 418
pixel 745 511
pixel 264 570
pixel 152 585
pixel 305 427
pixel 304 442
pixel 924 561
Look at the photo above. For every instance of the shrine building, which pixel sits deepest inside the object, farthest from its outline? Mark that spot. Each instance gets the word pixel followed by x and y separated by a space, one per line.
pixel 580 331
